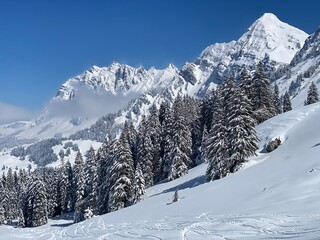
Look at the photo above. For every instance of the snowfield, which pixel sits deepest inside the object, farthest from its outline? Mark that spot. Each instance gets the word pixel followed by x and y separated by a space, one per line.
pixel 274 196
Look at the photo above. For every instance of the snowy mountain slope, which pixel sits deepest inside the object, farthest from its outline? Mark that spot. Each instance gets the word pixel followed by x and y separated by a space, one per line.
pixel 275 196
pixel 303 69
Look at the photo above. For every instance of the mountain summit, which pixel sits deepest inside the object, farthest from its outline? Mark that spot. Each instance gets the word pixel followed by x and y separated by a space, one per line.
pixel 268 39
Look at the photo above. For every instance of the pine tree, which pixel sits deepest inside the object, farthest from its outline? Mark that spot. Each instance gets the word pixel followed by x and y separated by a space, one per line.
pixel 175 196
pixel 153 128
pixel 103 168
pixel 197 134
pixel 246 84
pixel 62 185
pixel 240 130
pixel 167 142
pixel 90 179
pixel 2 208
pixel 36 205
pixel 313 95
pixel 277 102
pixel 106 158
pixel 70 200
pixel 263 98
pixel 216 145
pixel 145 153
pixel 138 185
pixel 121 176
pixel 286 103
pixel 79 183
pixel 180 151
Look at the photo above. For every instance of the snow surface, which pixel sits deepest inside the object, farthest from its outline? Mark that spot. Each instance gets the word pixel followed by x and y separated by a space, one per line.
pixel 275 196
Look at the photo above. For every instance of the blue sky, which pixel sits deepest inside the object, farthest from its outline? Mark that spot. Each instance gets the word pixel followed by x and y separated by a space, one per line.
pixel 43 43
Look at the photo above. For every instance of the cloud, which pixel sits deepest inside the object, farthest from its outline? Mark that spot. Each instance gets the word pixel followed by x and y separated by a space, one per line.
pixel 10 113
pixel 88 103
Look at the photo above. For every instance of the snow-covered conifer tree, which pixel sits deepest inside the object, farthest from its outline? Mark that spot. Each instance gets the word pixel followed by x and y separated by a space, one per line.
pixel 263 97
pixel 313 95
pixel 121 176
pixel 216 145
pixel 138 185
pixel 277 102
pixel 36 205
pixel 79 183
pixel 286 103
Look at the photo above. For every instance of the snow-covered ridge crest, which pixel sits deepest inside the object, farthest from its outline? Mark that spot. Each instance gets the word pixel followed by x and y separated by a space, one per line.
pixel 115 79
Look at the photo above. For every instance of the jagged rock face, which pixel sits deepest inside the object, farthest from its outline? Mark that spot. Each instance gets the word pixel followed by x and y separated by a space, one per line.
pixel 115 79
pixel 310 49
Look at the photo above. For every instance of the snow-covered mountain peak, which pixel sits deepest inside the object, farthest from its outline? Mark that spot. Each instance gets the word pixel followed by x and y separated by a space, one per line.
pixel 269 37
pixel 268 18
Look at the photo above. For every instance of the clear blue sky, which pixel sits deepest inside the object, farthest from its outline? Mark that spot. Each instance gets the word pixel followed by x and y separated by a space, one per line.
pixel 43 43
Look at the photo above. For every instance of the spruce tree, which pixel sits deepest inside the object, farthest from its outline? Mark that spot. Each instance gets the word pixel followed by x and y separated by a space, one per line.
pixel 246 84
pixel 286 103
pixel 90 179
pixel 263 97
pixel 145 153
pixel 216 146
pixel 79 183
pixel 121 176
pixel 180 151
pixel 107 156
pixel 240 130
pixel 138 185
pixel 36 205
pixel 153 128
pixel 313 95
pixel 277 101
pixel 70 200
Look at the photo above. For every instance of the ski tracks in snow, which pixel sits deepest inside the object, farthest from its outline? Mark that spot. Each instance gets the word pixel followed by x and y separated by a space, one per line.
pixel 253 227
pixel 204 226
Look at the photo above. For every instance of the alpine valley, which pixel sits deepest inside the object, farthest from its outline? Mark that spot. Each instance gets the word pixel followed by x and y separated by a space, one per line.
pixel 90 113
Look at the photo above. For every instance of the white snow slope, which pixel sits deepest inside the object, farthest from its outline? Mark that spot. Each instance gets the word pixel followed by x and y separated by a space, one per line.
pixel 275 196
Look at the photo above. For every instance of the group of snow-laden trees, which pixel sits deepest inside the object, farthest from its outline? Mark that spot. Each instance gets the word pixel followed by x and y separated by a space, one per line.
pixel 219 129
pixel 236 110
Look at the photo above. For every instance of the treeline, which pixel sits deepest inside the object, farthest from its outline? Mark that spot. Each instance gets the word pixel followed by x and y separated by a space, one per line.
pixel 219 129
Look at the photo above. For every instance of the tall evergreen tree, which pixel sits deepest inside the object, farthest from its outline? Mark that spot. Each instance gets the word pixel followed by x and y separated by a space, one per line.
pixel 246 84
pixel 286 103
pixel 121 177
pixel 90 179
pixel 145 153
pixel 35 211
pixel 106 157
pixel 216 145
pixel 277 101
pixel 313 95
pixel 138 185
pixel 180 151
pixel 153 128
pixel 79 183
pixel 263 98
pixel 70 200
pixel 240 130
